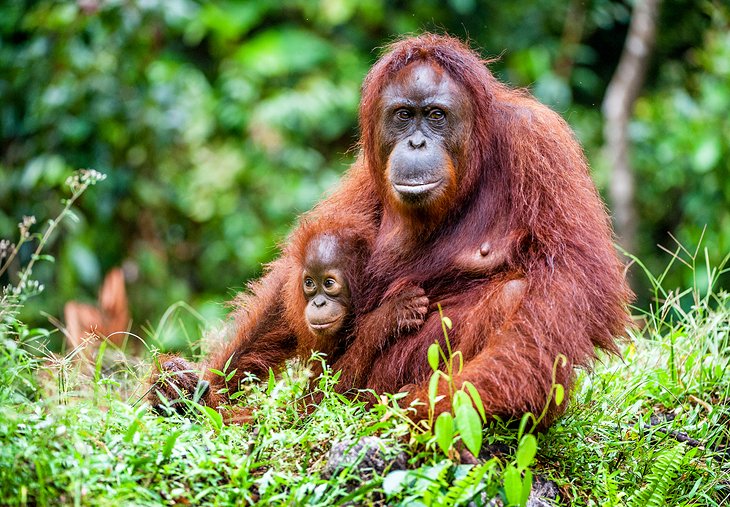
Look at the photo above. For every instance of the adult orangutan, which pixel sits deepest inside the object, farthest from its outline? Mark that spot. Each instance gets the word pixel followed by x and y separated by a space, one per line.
pixel 482 197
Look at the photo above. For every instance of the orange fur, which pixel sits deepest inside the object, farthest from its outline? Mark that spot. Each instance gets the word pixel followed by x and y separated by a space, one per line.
pixel 108 320
pixel 523 186
pixel 355 235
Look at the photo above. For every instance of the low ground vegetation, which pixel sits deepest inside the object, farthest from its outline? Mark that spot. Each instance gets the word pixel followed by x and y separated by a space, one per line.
pixel 647 428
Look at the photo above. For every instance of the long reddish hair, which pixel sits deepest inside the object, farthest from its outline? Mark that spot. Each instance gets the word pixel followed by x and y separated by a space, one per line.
pixel 527 181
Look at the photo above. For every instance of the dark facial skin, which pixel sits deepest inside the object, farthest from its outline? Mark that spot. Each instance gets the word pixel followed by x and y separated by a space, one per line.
pixel 325 287
pixel 425 124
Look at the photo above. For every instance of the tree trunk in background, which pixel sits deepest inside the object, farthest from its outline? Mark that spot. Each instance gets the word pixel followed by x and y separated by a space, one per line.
pixel 570 41
pixel 618 105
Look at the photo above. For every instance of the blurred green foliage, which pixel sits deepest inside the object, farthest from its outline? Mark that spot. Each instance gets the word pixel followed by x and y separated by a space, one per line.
pixel 218 122
pixel 682 149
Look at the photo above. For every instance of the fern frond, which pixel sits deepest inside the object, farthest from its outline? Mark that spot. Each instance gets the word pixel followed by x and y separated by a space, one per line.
pixel 660 478
pixel 438 483
pixel 466 487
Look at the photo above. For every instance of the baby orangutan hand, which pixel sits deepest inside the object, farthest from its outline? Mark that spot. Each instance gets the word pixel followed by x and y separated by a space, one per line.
pixel 410 306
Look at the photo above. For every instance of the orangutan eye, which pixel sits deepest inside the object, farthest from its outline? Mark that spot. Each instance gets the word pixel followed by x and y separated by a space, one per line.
pixel 403 114
pixel 436 114
pixel 329 283
pixel 308 283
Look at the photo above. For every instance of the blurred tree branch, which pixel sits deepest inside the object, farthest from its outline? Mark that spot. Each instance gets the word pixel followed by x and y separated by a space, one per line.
pixel 618 104
pixel 570 40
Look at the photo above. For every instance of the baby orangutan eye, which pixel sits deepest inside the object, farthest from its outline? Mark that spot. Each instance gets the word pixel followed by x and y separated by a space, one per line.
pixel 329 283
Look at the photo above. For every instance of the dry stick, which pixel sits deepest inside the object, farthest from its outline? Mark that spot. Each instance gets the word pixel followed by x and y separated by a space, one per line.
pixel 52 224
pixel 617 107
pixel 13 253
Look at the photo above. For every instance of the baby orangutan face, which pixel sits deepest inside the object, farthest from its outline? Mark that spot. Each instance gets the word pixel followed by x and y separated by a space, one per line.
pixel 325 287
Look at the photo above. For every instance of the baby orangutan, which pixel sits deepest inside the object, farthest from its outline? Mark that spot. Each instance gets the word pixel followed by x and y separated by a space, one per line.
pixel 327 291
pixel 323 307
pixel 319 303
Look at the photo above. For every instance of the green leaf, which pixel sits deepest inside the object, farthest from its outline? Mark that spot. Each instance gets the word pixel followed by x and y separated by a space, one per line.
pixel 170 443
pixel 99 364
pixel 230 20
pixel 460 399
pixel 44 257
pixel 394 482
pixel 512 485
pixel 459 355
pixel 42 332
pixel 200 390
pixel 129 434
pixel 433 387
pixel 447 322
pixel 444 431
pixel 433 356
pixel 526 487
pixel 231 374
pixel 463 7
pixel 559 394
pixel 524 421
pixel 707 154
pixel 282 51
pixel 470 428
pixel 526 451
pixel 476 399
pixel 213 416
pixel 217 372
pixel 272 382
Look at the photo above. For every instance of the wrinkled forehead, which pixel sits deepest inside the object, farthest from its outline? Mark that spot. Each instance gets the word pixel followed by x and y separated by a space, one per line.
pixel 422 82
pixel 323 252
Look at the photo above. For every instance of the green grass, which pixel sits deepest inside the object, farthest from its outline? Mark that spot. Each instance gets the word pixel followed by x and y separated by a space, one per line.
pixel 68 437
pixel 76 435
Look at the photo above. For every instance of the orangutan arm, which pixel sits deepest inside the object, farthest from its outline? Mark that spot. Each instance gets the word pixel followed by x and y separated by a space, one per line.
pixel 403 310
